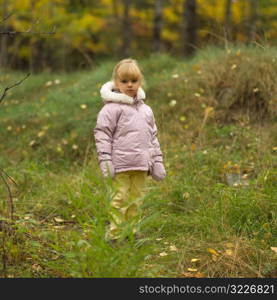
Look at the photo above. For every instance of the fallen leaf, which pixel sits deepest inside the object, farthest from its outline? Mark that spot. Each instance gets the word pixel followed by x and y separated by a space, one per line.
pixel 229 252
pixel 214 257
pixel 36 267
pixel 212 251
pixel 193 274
pixel 59 149
pixel 173 248
pixel 58 220
pixel 41 133
pixel 186 274
pixel 193 147
pixel 192 269
pixel 172 103
pixel 274 249
pixel 195 260
pixel 199 275
pixel 163 254
pixel 59 227
pixel 186 195
pixel 208 110
pixel 32 143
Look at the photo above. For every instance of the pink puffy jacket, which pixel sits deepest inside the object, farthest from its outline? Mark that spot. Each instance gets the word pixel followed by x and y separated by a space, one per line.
pixel 126 134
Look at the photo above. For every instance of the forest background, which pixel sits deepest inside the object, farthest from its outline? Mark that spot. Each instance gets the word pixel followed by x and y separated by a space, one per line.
pixel 67 34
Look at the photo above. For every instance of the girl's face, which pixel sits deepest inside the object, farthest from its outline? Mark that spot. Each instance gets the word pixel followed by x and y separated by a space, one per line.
pixel 128 86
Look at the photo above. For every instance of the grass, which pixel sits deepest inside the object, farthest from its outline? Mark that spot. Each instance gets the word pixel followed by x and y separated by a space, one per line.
pixel 195 224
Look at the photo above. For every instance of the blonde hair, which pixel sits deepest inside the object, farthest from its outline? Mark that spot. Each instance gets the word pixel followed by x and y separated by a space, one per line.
pixel 127 69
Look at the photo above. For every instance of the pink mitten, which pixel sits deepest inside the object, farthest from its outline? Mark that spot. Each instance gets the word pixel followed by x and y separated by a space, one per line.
pixel 107 168
pixel 158 172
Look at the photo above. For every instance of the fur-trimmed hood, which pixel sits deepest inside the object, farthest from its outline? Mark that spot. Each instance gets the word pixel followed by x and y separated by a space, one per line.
pixel 108 94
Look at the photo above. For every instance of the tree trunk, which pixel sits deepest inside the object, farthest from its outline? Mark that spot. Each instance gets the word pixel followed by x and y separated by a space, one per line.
pixel 228 19
pixel 4 37
pixel 253 20
pixel 115 9
pixel 190 27
pixel 32 40
pixel 49 54
pixel 157 25
pixel 126 29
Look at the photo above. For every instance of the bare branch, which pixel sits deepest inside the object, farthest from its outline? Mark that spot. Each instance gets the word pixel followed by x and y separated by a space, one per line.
pixel 7 17
pixel 29 31
pixel 12 33
pixel 6 174
pixel 11 86
pixel 10 199
pixel 4 252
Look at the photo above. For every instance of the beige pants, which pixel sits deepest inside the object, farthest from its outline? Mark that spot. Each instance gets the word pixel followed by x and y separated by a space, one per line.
pixel 129 187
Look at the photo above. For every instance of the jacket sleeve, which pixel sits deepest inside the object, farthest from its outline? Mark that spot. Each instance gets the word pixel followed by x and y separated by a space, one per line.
pixel 157 171
pixel 104 130
pixel 158 157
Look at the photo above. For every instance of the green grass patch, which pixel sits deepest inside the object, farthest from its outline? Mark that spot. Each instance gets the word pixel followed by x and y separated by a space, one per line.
pixel 195 223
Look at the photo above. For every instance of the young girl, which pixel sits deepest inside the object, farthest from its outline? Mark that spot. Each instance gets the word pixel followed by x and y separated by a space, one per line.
pixel 126 141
